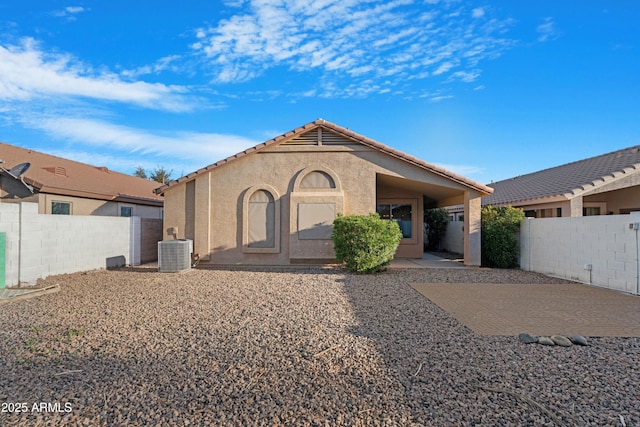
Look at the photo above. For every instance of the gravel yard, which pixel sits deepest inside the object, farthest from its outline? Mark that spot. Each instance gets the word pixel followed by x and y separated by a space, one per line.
pixel 292 347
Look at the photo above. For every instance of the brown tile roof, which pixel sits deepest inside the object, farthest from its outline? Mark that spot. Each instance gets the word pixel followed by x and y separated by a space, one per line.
pixel 348 134
pixel 56 175
pixel 567 180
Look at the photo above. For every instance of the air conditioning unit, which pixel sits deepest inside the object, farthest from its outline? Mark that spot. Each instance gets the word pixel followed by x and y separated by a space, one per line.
pixel 174 255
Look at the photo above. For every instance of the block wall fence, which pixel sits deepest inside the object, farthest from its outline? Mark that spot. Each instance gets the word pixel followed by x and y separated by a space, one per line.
pixel 598 250
pixel 37 246
pixel 453 240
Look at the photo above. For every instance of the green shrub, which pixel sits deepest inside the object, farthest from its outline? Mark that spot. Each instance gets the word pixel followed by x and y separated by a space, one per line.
pixel 500 248
pixel 436 220
pixel 365 243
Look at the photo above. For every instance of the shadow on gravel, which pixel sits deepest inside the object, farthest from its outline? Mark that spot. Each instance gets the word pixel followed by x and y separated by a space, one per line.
pixel 303 346
pixel 451 376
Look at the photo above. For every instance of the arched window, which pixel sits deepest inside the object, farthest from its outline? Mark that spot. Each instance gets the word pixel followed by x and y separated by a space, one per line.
pixel 261 220
pixel 317 179
pixel 316 200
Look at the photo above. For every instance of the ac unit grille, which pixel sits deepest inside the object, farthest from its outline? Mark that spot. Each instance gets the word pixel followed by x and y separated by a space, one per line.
pixel 174 255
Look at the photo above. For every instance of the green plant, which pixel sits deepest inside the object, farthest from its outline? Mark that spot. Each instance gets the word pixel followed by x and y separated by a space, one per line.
pixel 436 221
pixel 74 332
pixel 365 243
pixel 500 248
pixel 34 329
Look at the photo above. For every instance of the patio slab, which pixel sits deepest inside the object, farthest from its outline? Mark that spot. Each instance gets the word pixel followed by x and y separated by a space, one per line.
pixel 427 261
pixel 540 309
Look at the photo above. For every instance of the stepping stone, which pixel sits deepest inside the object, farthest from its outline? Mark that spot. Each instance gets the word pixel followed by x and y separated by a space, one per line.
pixel 545 341
pixel 528 339
pixel 578 340
pixel 561 340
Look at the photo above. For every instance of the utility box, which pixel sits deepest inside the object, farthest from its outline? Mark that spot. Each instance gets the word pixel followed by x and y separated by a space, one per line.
pixel 174 255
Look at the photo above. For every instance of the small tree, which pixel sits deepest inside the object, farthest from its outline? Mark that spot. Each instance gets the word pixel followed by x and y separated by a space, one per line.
pixel 365 243
pixel 500 247
pixel 159 174
pixel 140 173
pixel 436 220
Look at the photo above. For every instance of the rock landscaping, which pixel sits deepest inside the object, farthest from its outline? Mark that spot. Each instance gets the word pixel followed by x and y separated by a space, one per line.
pixel 559 340
pixel 304 347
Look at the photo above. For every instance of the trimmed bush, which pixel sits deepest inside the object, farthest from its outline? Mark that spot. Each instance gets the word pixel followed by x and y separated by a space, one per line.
pixel 500 248
pixel 365 243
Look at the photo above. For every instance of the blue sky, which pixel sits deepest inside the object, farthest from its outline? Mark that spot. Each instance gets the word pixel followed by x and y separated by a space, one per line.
pixel 487 89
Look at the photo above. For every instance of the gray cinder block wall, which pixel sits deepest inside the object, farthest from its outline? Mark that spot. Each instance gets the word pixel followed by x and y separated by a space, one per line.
pixel 41 245
pixel 599 250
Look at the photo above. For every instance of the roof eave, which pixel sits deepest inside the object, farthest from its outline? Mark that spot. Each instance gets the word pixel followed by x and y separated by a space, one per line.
pixel 481 188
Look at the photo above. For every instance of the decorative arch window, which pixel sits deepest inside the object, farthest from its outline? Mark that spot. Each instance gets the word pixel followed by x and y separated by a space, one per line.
pixel 261 221
pixel 315 202
pixel 317 179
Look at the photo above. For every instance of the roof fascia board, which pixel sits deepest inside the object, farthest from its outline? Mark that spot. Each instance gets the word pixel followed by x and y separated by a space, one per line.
pixel 125 198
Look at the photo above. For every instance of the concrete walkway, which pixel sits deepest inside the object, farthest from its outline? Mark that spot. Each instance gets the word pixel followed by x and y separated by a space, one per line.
pixel 540 309
pixel 427 261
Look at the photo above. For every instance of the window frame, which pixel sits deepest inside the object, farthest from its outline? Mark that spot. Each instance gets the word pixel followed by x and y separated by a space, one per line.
pixel 127 207
pixel 246 248
pixel 61 202
pixel 413 240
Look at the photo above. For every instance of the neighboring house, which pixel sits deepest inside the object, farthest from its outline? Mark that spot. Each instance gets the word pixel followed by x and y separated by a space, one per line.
pixel 65 187
pixel 274 204
pixel 603 185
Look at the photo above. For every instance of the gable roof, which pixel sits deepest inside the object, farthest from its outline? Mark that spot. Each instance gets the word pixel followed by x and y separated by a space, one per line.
pixel 56 175
pixel 568 180
pixel 344 132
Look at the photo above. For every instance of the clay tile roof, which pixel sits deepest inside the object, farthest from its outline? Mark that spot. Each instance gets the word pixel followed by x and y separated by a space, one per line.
pixel 56 175
pixel 349 134
pixel 566 180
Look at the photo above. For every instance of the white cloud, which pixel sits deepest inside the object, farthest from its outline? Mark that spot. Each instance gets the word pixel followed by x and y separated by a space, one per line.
pixel 478 12
pixel 440 98
pixel 350 42
pixel 443 68
pixel 464 170
pixel 28 72
pixel 74 9
pixel 69 12
pixel 205 148
pixel 547 30
pixel 465 76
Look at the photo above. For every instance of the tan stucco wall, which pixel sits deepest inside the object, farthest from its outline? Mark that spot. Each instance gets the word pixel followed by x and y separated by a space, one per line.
pixel 219 196
pixel 611 201
pixel 82 206
pixel 627 198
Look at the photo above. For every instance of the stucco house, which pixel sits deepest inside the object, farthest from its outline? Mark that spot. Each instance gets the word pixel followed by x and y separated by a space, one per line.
pixel 274 204
pixel 66 187
pixel 602 185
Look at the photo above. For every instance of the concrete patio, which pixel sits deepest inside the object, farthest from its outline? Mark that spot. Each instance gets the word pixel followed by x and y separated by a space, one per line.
pixel 541 309
pixel 427 261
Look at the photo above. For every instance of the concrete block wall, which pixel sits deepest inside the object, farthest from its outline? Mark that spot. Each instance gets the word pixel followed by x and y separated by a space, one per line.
pixel 454 237
pixel 599 250
pixel 10 225
pixel 42 245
